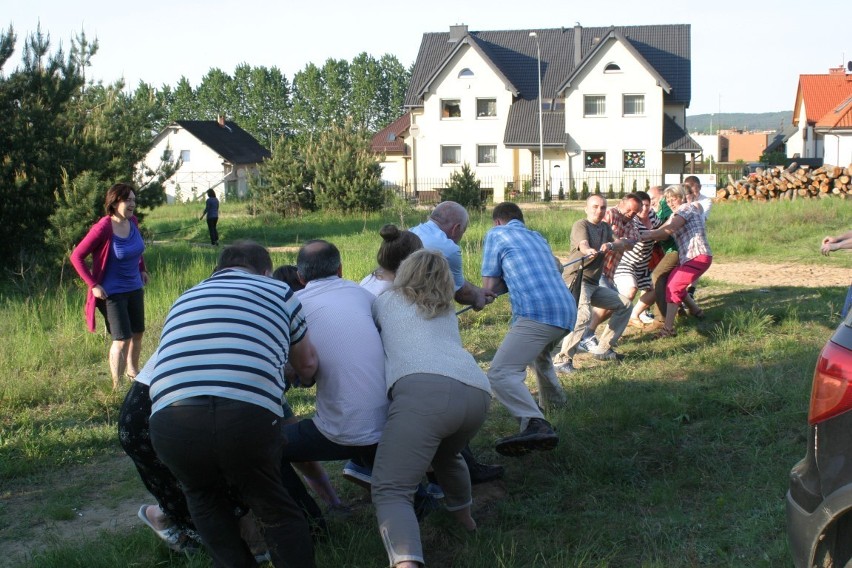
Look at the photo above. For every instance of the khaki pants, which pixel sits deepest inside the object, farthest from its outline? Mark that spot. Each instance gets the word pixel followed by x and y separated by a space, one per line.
pixel 528 342
pixel 431 418
pixel 660 278
pixel 592 295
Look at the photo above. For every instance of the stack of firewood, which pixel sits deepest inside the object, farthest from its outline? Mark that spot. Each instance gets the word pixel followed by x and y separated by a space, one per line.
pixel 792 182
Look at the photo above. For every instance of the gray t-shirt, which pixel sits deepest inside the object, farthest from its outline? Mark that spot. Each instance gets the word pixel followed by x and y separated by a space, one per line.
pixel 596 235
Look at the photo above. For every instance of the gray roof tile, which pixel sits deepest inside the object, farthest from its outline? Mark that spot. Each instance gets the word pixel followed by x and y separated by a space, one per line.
pixel 230 141
pixel 676 139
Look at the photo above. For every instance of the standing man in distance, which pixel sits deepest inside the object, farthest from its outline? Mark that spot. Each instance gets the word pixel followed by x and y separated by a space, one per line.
pixel 216 395
pixel 519 261
pixel 593 237
pixel 443 231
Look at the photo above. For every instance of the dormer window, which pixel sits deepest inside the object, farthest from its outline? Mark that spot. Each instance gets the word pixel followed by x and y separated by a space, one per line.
pixel 465 73
pixel 612 68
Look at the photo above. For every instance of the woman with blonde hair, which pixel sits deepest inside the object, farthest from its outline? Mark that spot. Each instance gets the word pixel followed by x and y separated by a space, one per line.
pixel 439 400
pixel 687 227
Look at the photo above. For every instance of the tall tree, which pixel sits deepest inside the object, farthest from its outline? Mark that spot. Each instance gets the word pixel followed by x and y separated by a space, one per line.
pixel 366 81
pixel 346 174
pixel 216 95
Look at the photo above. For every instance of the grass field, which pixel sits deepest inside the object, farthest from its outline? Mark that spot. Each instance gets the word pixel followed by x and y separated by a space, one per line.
pixel 676 457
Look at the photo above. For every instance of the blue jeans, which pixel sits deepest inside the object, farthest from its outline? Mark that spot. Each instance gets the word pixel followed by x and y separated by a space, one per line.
pixel 210 443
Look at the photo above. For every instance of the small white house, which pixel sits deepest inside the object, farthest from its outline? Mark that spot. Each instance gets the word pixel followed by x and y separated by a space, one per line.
pixel 823 115
pixel 213 154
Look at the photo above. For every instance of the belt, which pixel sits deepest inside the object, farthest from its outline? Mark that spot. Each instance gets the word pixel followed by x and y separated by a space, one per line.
pixel 203 400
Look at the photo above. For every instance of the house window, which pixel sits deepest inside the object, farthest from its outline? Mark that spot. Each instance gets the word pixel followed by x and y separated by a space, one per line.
pixel 451 108
pixel 594 105
pixel 486 108
pixel 595 160
pixel 184 156
pixel 465 73
pixel 450 155
pixel 634 160
pixel 486 154
pixel 612 68
pixel 634 105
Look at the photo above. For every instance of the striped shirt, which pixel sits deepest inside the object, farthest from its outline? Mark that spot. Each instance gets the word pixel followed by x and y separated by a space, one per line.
pixel 523 259
pixel 228 336
pixel 635 261
pixel 622 228
pixel 692 237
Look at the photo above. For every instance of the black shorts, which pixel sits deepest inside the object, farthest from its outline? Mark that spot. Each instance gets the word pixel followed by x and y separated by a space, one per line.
pixel 124 314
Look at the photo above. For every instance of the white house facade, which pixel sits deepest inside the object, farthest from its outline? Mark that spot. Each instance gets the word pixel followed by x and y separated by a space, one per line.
pixel 823 115
pixel 612 110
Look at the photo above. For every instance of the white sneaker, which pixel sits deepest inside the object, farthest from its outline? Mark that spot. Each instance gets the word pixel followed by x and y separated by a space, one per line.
pixel 565 368
pixel 588 345
pixel 646 317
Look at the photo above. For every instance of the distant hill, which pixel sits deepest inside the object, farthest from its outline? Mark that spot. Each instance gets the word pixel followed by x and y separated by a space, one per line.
pixel 701 123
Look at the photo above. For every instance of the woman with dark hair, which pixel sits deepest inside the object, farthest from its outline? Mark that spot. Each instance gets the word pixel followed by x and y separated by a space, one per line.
pixel 439 400
pixel 116 278
pixel 396 246
pixel 211 209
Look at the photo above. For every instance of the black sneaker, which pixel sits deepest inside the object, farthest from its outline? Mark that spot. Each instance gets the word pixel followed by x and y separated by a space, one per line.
pixel 480 472
pixel 539 435
pixel 483 472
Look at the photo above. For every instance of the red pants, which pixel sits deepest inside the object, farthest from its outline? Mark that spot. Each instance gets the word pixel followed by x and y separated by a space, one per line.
pixel 684 276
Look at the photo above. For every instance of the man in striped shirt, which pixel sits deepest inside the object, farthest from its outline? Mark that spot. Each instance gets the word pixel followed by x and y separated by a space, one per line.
pixel 216 395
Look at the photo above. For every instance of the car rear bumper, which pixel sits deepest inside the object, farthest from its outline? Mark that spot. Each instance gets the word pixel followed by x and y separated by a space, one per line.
pixel 805 530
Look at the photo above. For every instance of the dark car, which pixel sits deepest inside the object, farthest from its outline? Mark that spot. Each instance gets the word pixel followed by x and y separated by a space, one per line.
pixel 819 501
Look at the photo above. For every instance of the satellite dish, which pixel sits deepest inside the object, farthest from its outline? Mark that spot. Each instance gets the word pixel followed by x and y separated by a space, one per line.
pixel 414 130
pixel 849 65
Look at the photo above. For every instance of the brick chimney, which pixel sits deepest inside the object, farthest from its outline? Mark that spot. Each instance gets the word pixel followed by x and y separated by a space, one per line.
pixel 457 32
pixel 221 120
pixel 837 70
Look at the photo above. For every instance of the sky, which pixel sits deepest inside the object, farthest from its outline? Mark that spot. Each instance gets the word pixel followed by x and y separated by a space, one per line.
pixel 745 58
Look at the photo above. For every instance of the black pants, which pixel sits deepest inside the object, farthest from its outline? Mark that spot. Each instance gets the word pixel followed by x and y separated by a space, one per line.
pixel 222 442
pixel 134 435
pixel 214 232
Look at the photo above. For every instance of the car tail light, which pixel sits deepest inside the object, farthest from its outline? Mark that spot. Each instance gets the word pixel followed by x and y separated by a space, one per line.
pixel 832 389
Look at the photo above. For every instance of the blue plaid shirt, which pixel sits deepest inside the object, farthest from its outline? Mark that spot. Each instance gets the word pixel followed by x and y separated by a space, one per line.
pixel 523 259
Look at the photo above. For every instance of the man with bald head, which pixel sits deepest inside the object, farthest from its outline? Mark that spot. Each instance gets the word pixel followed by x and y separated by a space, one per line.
pixel 442 232
pixel 593 237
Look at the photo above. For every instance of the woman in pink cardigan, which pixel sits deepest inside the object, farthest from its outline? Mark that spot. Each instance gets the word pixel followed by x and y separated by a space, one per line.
pixel 116 278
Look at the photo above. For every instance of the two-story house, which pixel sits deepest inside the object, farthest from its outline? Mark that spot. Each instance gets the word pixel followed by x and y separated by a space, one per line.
pixel 613 106
pixel 213 154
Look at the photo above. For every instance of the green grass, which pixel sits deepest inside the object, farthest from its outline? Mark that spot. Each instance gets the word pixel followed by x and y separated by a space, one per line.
pixel 677 457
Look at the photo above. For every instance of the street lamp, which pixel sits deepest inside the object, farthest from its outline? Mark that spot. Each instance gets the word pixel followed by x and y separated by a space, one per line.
pixel 540 119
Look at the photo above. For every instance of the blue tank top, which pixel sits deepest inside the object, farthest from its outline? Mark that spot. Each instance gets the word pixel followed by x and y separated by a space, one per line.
pixel 122 268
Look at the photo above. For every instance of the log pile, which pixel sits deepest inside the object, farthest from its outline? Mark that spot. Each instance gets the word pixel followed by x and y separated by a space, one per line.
pixel 792 182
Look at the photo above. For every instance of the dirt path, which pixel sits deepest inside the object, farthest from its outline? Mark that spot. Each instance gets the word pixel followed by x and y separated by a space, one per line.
pixel 787 274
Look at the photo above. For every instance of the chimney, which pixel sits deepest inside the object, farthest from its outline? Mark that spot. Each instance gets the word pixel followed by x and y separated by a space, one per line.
pixel 578 44
pixel 457 32
pixel 837 70
pixel 221 120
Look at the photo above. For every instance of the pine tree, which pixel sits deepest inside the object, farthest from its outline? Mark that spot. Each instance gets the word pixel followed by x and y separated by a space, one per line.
pixel 464 188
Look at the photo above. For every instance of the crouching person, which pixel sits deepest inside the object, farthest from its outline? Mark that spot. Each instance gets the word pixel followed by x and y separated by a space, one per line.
pixel 216 396
pixel 439 400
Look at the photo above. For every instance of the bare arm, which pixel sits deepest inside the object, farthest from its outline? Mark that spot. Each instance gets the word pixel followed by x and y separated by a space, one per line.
pixel 494 285
pixel 303 358
pixel 839 242
pixel 668 229
pixel 470 295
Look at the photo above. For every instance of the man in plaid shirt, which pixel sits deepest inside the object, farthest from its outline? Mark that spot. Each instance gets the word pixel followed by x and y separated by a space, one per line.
pixel 519 261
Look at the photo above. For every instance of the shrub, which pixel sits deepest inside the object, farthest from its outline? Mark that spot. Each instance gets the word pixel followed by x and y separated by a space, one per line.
pixel 464 189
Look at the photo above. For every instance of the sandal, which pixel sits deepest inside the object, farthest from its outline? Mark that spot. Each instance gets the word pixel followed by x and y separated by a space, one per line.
pixel 637 323
pixel 698 314
pixel 664 333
